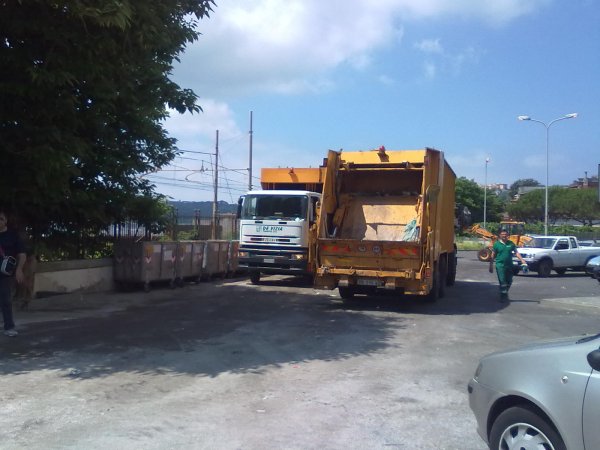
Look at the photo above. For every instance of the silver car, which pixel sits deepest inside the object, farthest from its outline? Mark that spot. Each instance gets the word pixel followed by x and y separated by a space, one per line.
pixel 543 396
pixel 592 268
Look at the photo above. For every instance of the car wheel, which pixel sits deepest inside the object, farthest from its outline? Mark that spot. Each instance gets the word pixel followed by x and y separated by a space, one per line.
pixel 521 427
pixel 545 268
pixel 560 271
pixel 255 277
pixel 347 293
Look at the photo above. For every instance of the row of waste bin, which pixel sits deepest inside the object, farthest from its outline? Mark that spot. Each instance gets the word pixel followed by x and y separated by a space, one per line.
pixel 145 262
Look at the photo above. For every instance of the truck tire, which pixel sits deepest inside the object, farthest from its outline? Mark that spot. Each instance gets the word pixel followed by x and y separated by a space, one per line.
pixel 544 268
pixel 443 268
pixel 347 292
pixel 485 254
pixel 451 274
pixel 434 294
pixel 255 277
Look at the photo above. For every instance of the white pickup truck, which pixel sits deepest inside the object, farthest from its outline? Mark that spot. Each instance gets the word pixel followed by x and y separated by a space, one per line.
pixel 559 253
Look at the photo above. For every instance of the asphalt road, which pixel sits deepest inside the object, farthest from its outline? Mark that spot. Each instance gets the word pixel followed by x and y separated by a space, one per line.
pixel 230 365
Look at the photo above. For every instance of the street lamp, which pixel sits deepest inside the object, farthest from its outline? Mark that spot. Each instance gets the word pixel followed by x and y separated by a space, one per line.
pixel 487 160
pixel 547 126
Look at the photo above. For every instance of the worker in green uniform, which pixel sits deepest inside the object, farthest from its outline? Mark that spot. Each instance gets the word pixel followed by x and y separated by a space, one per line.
pixel 502 253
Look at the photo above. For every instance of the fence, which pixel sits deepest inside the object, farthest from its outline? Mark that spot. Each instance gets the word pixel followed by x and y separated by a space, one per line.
pixel 201 227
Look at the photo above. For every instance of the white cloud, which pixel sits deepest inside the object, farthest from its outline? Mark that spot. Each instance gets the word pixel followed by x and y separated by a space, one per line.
pixel 429 46
pixel 292 46
pixel 429 70
pixel 287 47
pixel 192 129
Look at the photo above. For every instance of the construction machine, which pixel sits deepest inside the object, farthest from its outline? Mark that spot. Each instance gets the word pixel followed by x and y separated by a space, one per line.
pixel 516 234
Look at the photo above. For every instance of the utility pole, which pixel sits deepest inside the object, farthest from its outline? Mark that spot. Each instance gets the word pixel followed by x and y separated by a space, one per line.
pixel 215 209
pixel 250 156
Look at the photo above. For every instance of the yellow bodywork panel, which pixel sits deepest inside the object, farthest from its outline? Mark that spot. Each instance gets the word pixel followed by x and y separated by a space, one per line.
pixel 306 178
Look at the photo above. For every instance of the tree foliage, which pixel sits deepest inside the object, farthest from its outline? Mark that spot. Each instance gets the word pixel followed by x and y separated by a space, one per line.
pixel 471 195
pixel 84 89
pixel 564 204
pixel 525 182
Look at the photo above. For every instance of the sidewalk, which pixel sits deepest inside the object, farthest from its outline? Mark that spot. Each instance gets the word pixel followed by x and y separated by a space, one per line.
pixel 82 304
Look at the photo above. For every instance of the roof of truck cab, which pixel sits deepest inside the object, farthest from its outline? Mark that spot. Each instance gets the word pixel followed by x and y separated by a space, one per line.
pixel 281 192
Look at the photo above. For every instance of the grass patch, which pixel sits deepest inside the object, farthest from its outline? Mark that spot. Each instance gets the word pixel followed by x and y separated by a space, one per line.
pixel 469 244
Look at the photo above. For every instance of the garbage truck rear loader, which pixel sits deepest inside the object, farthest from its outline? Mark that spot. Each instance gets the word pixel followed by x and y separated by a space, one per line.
pixel 386 223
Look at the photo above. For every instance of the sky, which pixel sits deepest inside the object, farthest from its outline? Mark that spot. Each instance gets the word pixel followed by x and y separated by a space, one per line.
pixel 407 74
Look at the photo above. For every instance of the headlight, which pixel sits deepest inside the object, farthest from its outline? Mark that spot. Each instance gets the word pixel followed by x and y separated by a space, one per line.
pixel 243 254
pixel 298 256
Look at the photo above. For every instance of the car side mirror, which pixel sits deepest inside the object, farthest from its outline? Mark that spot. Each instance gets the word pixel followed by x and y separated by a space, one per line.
pixel 594 359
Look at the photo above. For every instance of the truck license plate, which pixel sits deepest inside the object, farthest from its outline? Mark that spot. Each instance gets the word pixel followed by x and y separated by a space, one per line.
pixel 369 282
pixel 269 260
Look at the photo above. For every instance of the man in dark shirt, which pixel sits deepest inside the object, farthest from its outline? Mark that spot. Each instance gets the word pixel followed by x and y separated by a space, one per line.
pixel 10 246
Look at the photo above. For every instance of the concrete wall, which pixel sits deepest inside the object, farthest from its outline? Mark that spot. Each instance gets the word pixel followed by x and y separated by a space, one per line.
pixel 71 276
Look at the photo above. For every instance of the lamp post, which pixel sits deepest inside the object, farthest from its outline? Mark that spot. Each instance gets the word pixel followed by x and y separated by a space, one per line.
pixel 487 160
pixel 547 126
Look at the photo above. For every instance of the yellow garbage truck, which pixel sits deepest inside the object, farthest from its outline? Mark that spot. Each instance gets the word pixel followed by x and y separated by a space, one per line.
pixel 386 223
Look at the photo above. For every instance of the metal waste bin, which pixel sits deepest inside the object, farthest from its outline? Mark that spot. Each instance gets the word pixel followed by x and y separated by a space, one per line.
pixel 198 248
pixel 183 263
pixel 215 259
pixel 144 262
pixel 232 258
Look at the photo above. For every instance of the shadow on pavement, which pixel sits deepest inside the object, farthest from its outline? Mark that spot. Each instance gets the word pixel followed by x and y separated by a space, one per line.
pixel 205 330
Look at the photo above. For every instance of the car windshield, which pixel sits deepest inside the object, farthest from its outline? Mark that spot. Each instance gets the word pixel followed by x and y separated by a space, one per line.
pixel 541 242
pixel 290 207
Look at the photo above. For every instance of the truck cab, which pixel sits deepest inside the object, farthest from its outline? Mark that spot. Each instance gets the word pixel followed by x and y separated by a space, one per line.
pixel 274 231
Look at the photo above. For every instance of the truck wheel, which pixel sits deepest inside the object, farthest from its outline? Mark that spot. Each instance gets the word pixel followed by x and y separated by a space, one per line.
pixel 485 255
pixel 254 277
pixel 545 268
pixel 560 271
pixel 451 275
pixel 443 268
pixel 346 292
pixel 434 294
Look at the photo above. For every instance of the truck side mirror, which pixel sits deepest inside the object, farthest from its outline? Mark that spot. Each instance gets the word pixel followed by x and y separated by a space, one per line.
pixel 239 207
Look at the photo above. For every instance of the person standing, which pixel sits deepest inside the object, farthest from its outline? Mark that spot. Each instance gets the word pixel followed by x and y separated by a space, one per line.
pixel 502 253
pixel 10 246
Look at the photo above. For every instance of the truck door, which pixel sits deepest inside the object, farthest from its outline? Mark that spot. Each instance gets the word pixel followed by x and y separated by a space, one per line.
pixel 565 253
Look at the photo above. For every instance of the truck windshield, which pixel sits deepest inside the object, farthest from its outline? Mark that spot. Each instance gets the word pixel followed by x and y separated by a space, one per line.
pixel 541 242
pixel 289 207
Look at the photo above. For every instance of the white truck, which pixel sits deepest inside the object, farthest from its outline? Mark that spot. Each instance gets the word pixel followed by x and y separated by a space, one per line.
pixel 275 223
pixel 559 253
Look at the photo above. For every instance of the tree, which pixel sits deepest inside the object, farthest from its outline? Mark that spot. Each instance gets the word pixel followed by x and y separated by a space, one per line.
pixel 471 195
pixel 529 207
pixel 526 182
pixel 564 204
pixel 84 90
pixel 580 205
